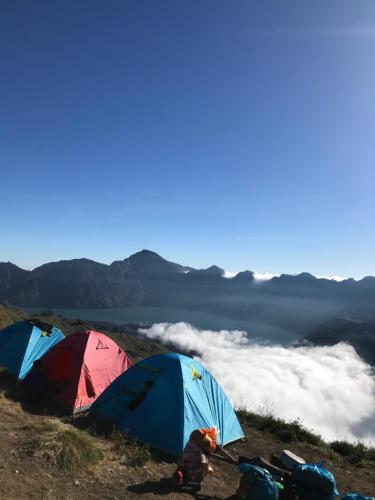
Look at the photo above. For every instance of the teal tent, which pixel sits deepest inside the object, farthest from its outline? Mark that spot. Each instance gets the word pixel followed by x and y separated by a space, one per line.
pixel 24 342
pixel 162 399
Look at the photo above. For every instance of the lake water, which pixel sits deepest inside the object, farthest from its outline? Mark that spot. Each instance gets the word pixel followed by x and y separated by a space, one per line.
pixel 201 320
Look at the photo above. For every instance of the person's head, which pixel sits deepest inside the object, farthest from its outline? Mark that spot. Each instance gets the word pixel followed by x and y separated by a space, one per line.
pixel 205 439
pixel 211 433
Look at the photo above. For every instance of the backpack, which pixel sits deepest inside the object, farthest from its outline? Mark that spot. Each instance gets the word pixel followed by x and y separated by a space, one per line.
pixel 256 484
pixel 314 482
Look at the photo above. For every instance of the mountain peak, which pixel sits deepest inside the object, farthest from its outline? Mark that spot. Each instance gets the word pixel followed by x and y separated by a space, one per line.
pixel 244 276
pixel 367 279
pixel 145 254
pixel 306 276
pixel 294 277
pixel 215 270
pixel 9 265
pixel 147 262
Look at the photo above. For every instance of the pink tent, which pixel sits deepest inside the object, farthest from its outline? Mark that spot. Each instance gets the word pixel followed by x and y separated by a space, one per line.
pixel 81 366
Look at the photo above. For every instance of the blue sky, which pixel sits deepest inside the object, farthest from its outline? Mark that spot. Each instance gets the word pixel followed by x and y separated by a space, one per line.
pixel 214 132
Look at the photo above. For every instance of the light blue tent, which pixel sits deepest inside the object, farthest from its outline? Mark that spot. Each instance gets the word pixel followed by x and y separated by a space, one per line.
pixel 162 399
pixel 24 342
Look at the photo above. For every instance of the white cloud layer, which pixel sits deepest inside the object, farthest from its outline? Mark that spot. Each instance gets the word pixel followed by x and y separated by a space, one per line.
pixel 267 276
pixel 329 388
pixel 333 278
pixel 264 276
pixel 257 276
pixel 229 275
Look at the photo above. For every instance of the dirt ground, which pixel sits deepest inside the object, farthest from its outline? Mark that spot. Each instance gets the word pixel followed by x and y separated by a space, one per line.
pixel 23 476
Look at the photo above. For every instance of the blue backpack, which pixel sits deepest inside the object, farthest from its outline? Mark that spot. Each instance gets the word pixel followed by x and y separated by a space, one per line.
pixel 355 496
pixel 314 482
pixel 257 483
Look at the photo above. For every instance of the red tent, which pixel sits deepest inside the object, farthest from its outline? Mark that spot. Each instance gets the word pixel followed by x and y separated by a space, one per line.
pixel 81 366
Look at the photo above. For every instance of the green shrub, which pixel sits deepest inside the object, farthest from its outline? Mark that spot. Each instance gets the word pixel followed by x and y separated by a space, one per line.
pixel 295 431
pixel 134 452
pixel 355 453
pixel 342 448
pixel 287 432
pixel 68 449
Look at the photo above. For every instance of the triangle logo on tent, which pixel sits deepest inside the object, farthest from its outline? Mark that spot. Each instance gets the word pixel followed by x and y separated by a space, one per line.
pixel 101 345
pixel 195 375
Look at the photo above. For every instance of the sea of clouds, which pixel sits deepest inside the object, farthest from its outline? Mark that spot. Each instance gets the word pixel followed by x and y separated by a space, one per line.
pixel 331 389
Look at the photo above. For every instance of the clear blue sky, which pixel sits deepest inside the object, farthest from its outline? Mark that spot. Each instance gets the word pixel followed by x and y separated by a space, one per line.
pixel 238 133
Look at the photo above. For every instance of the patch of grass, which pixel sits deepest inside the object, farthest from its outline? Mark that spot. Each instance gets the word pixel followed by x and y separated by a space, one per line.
pixel 288 432
pixel 295 431
pixel 134 452
pixel 355 453
pixel 67 449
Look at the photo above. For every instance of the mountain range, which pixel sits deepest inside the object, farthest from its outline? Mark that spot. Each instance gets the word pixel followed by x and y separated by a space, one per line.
pixel 297 302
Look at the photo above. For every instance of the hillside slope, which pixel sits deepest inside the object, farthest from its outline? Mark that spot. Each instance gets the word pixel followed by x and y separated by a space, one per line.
pixel 25 474
pixel 359 333
pixel 9 314
pixel 136 346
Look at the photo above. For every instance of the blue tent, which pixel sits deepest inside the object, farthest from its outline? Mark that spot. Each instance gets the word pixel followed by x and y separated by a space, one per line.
pixel 24 342
pixel 162 399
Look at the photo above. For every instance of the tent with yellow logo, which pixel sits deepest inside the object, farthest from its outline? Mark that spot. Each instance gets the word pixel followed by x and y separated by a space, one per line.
pixel 162 399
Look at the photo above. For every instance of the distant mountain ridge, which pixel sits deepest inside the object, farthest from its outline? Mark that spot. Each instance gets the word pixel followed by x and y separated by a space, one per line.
pixel 298 302
pixel 359 333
